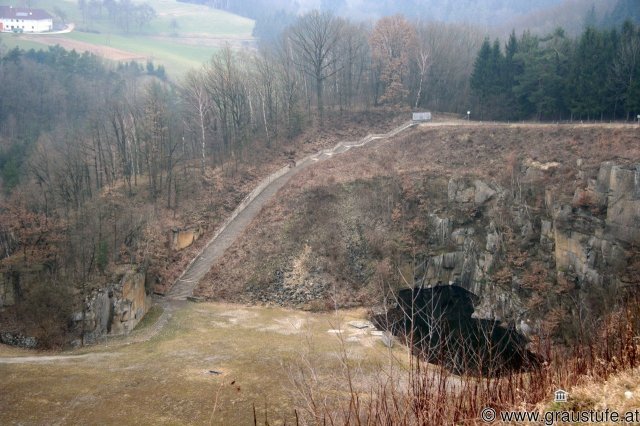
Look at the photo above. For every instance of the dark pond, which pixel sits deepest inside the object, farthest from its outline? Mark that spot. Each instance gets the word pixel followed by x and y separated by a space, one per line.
pixel 438 323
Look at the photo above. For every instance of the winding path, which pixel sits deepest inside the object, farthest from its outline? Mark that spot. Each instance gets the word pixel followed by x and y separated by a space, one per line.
pixel 249 209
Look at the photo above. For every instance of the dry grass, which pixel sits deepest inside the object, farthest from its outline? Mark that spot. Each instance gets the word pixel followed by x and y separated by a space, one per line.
pixel 620 392
pixel 423 158
pixel 166 380
pixel 600 374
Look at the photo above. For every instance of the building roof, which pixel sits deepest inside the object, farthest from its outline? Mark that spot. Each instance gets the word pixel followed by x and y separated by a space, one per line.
pixel 10 12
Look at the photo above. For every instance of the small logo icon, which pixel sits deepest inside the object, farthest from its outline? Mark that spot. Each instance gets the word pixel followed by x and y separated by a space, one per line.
pixel 488 415
pixel 561 395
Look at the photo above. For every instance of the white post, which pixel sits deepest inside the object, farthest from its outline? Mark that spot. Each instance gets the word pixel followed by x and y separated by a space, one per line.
pixel 468 115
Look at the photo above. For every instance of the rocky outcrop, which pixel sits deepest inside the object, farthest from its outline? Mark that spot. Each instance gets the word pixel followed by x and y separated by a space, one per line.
pixel 478 192
pixel 181 238
pixel 8 242
pixel 115 309
pixel 471 246
pixel 585 241
pixel 590 247
pixel 623 201
pixel 18 339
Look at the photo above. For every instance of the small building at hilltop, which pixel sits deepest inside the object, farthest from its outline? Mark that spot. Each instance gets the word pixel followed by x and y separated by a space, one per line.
pixel 421 116
pixel 24 20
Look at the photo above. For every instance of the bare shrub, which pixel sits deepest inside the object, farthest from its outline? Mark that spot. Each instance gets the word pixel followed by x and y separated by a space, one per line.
pixel 45 309
pixel 426 394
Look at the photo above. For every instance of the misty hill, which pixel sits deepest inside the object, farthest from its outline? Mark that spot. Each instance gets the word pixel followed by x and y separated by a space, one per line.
pixel 499 16
pixel 485 12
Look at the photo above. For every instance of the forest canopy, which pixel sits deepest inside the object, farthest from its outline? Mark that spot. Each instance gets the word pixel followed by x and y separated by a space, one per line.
pixel 555 77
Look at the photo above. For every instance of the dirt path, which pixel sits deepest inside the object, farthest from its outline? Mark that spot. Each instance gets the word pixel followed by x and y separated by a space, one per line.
pixel 249 209
pixel 56 358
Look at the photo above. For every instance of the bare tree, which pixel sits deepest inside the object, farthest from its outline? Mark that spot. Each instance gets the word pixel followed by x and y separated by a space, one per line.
pixel 353 56
pixel 316 36
pixel 197 100
pixel 289 82
pixel 118 120
pixel 393 42
pixel 267 85
pixel 424 60
pixel 226 83
pixel 452 49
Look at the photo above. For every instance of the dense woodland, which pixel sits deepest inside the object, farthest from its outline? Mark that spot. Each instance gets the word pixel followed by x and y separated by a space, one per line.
pixel 92 155
pixel 555 77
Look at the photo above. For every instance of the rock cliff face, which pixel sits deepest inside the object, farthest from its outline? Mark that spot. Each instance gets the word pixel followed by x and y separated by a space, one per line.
pixel 7 291
pixel 533 219
pixel 181 238
pixel 114 310
pixel 587 243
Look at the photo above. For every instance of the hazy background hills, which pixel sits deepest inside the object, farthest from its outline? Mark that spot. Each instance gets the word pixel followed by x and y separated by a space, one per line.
pixel 498 17
pixel 486 12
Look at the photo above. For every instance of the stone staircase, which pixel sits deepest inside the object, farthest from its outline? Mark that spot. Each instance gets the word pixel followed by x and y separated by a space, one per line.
pixel 249 208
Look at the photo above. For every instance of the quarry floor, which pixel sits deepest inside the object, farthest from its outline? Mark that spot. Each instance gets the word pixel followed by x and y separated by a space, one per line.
pixel 209 364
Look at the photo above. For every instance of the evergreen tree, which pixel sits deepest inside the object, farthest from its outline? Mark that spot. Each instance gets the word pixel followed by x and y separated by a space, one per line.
pixel 510 70
pixel 545 69
pixel 596 76
pixel 527 47
pixel 588 75
pixel 480 77
pixel 487 79
pixel 497 93
pixel 625 71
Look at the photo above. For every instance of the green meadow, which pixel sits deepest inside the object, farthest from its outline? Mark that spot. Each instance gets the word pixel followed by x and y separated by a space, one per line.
pixel 181 36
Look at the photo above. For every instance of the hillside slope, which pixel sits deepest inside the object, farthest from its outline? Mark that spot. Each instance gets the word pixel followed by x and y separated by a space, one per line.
pixel 528 217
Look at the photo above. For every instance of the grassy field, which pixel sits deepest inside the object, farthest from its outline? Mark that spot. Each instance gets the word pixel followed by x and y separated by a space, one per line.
pixel 198 32
pixel 9 41
pixel 258 352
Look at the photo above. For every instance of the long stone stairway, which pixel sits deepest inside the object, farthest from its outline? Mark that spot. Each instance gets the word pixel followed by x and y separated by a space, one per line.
pixel 249 208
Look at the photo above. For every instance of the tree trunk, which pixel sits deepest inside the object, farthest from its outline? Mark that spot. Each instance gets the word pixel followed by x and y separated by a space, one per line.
pixel 319 98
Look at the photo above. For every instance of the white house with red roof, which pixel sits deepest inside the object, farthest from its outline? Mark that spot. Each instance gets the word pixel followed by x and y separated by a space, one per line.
pixel 24 20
